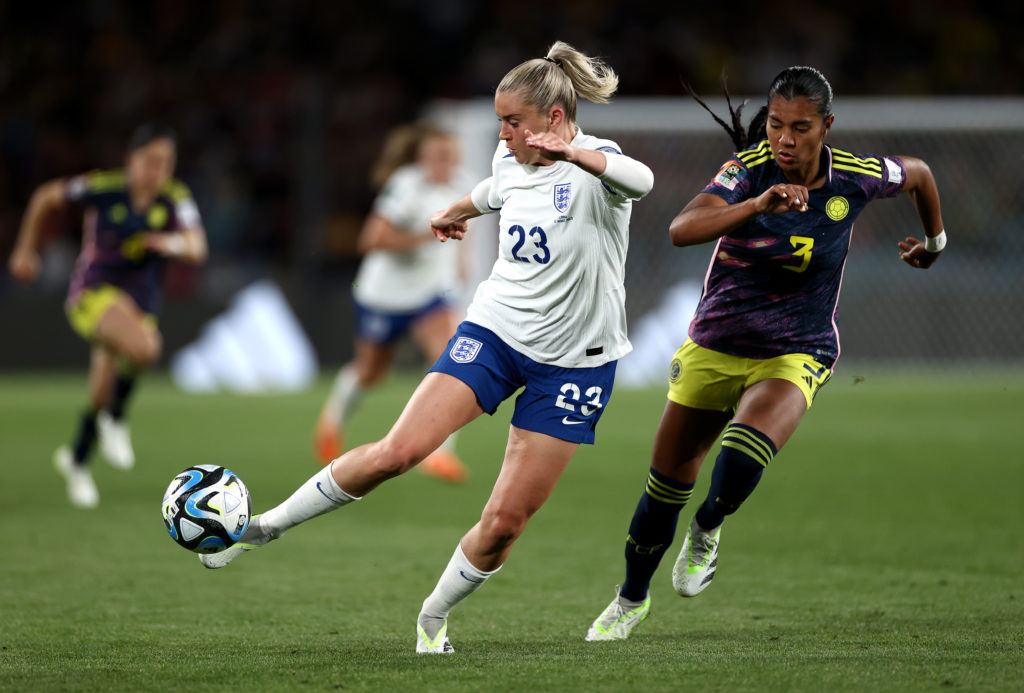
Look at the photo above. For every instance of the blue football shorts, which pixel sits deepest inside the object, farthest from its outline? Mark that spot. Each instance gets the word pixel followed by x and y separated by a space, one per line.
pixel 564 403
pixel 385 328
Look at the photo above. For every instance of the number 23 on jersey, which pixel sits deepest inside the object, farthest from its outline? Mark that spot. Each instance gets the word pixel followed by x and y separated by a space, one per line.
pixel 535 242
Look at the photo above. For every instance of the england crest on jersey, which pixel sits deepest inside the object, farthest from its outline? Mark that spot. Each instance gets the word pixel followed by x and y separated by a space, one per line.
pixel 562 195
pixel 465 350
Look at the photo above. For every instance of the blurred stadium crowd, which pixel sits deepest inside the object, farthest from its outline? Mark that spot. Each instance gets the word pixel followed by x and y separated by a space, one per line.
pixel 281 106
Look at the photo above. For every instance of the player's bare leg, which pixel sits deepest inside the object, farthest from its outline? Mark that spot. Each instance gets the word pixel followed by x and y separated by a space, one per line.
pixel 769 412
pixel 432 333
pixel 120 327
pixel 102 369
pixel 533 464
pixel 684 437
pixel 126 333
pixel 127 330
pixel 440 405
pixel 774 406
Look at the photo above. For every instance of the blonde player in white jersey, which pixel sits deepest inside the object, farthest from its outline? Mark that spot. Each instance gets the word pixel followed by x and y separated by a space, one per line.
pixel 406 281
pixel 550 319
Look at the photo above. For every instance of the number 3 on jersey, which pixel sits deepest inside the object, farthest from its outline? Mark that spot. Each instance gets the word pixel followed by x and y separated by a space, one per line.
pixel 803 246
pixel 540 243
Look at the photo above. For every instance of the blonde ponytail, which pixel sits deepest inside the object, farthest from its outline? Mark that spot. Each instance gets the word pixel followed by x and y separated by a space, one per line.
pixel 559 78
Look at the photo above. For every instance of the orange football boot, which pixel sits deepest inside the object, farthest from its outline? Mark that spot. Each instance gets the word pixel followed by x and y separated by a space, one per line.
pixel 328 444
pixel 445 466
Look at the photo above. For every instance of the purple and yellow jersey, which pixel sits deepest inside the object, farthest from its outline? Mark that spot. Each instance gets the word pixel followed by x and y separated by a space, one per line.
pixel 773 283
pixel 113 232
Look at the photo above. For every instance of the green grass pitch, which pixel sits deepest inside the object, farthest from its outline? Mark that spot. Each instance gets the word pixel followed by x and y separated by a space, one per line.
pixel 883 550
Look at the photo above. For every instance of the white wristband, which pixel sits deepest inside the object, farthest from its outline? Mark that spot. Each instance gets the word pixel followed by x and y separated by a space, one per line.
pixel 935 244
pixel 176 244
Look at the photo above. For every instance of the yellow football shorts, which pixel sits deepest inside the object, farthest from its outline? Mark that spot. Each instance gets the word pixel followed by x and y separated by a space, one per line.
pixel 706 379
pixel 85 313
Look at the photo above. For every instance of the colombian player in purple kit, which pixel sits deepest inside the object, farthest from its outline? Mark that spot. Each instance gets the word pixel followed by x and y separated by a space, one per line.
pixel 134 219
pixel 763 339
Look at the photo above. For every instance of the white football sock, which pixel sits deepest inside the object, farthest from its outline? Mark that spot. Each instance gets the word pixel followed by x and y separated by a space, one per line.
pixel 344 396
pixel 459 580
pixel 319 495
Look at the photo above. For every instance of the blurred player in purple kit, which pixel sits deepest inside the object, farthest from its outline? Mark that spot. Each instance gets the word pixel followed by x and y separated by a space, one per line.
pixel 764 338
pixel 134 219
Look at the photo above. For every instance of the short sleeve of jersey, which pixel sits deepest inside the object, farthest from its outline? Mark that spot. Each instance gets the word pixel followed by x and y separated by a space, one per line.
pixel 493 198
pixel 876 176
pixel 600 144
pixel 76 188
pixel 83 187
pixel 188 213
pixel 482 195
pixel 731 183
pixel 501 153
pixel 185 209
pixel 608 147
pixel 891 182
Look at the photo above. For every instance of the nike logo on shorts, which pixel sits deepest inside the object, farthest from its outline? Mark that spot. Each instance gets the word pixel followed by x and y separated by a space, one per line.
pixel 569 422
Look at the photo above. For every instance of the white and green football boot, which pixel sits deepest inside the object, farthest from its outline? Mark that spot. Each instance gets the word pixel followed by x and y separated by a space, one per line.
pixel 697 560
pixel 253 538
pixel 439 644
pixel 618 620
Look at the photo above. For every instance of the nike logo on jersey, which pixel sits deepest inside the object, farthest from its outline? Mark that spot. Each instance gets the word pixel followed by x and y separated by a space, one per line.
pixel 569 422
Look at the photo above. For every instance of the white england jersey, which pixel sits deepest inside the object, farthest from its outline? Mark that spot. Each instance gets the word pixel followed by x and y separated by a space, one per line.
pixel 556 291
pixel 403 281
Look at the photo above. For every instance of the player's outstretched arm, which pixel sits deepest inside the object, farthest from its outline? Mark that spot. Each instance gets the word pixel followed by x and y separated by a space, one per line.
pixel 380 234
pixel 630 177
pixel 708 217
pixel 24 261
pixel 924 193
pixel 451 222
pixel 187 244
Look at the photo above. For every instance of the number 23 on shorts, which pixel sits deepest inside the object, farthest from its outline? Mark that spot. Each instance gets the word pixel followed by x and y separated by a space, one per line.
pixel 571 401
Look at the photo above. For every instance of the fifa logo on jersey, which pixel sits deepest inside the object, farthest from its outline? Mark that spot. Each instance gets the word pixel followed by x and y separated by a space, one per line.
pixel 465 350
pixel 562 195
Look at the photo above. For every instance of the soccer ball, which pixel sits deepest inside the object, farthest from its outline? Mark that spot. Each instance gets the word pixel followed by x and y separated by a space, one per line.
pixel 206 508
